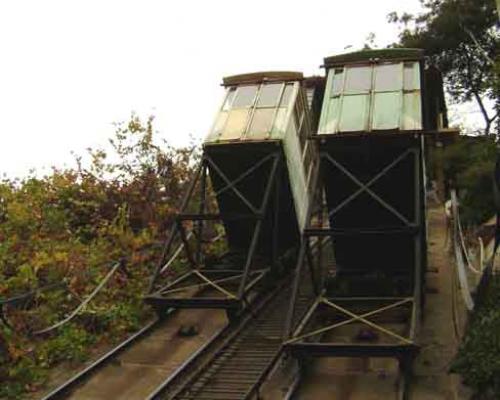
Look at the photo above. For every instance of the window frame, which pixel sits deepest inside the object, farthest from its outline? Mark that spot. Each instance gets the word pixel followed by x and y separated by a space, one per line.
pixel 333 115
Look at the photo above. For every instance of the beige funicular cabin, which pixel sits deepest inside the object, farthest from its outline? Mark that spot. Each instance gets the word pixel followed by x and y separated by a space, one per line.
pixel 258 162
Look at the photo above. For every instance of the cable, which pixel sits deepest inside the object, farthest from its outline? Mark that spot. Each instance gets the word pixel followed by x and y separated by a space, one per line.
pixel 83 303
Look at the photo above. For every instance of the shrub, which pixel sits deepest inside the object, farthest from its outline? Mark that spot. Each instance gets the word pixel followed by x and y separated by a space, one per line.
pixel 70 227
pixel 478 359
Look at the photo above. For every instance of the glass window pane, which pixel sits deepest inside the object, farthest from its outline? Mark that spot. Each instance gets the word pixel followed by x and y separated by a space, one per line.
pixel 287 95
pixel 235 125
pixel 338 81
pixel 412 111
pixel 245 96
pixel 280 123
pixel 388 77
pixel 269 95
pixel 220 121
pixel 358 79
pixel 386 110
pixel 411 76
pixel 354 113
pixel 329 119
pixel 229 99
pixel 261 123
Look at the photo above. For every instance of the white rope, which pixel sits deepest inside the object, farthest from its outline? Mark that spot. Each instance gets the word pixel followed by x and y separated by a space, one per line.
pixel 462 276
pixel 83 304
pixel 464 248
pixel 481 253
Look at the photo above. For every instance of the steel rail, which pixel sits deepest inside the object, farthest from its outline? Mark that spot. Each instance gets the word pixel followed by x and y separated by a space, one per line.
pixel 187 363
pixel 221 349
pixel 67 387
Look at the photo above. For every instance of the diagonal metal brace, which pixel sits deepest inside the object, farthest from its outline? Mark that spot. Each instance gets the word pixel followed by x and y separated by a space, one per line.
pixel 371 182
pixel 214 285
pixel 367 189
pixel 351 320
pixel 232 186
pixel 367 322
pixel 245 174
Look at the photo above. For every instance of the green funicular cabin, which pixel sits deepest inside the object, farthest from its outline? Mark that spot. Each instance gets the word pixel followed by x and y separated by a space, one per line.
pixel 252 185
pixel 368 215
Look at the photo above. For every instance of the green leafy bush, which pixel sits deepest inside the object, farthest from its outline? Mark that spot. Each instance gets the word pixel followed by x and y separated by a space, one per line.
pixel 69 227
pixel 478 360
pixel 469 165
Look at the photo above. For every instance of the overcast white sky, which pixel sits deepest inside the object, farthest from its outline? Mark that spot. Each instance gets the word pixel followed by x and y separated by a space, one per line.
pixel 69 69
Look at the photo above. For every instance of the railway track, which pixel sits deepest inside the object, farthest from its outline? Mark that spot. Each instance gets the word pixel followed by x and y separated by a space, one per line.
pixel 225 362
pixel 236 367
pixel 135 368
pixel 155 362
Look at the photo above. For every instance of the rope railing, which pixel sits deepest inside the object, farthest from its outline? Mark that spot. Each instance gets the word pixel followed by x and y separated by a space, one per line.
pixel 459 259
pixel 17 299
pixel 84 303
pixel 24 297
pixel 114 268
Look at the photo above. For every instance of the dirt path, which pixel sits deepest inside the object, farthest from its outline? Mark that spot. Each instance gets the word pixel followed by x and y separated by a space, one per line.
pixel 372 379
pixel 438 339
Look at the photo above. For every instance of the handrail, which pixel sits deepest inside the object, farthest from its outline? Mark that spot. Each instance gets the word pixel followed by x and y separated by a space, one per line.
pixel 27 295
pixel 84 303
pixel 462 276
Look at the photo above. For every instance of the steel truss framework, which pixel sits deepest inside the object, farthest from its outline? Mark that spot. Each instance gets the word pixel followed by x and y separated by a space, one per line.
pixel 307 336
pixel 230 285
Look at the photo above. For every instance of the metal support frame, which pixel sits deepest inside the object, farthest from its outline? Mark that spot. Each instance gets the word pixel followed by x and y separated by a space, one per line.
pixel 304 336
pixel 184 291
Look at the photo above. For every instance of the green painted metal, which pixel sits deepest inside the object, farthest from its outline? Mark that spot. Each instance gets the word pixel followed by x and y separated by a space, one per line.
pixel 383 54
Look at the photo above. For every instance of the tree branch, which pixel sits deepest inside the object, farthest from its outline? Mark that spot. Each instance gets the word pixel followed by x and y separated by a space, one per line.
pixel 484 112
pixel 485 53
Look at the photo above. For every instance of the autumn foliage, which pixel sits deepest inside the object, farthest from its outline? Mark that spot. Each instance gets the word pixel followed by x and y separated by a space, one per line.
pixel 61 234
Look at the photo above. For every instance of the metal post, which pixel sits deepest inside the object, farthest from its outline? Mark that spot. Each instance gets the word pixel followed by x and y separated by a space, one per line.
pixel 418 245
pixel 200 223
pixel 312 272
pixel 187 249
pixel 300 259
pixel 275 248
pixel 258 226
pixel 320 239
pixel 295 290
pixel 173 229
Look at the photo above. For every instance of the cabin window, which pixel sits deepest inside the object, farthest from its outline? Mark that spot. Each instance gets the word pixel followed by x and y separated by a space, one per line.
pixel 338 81
pixel 382 96
pixel 411 76
pixel 358 80
pixel 262 123
pixel 254 111
pixel 245 96
pixel 235 125
pixel 388 78
pixel 269 95
pixel 287 95
pixel 228 102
